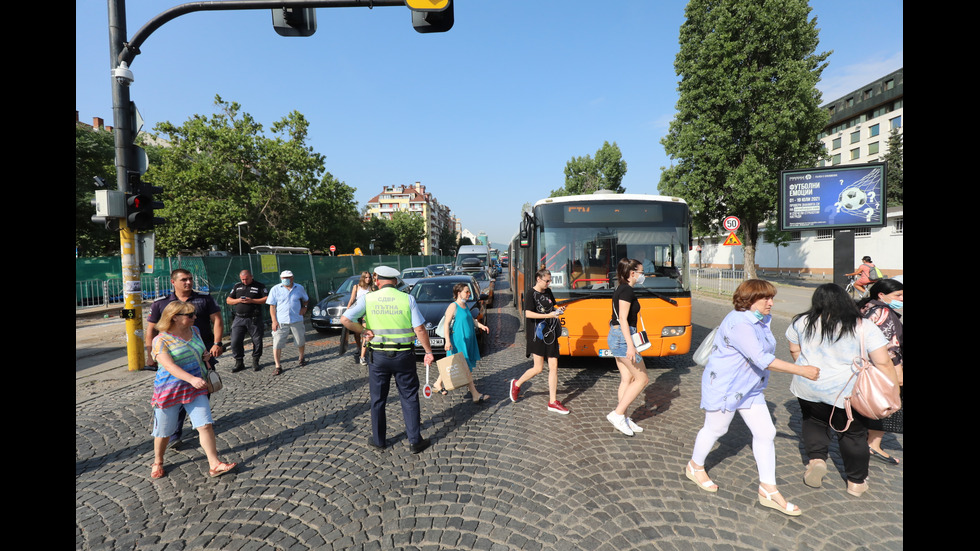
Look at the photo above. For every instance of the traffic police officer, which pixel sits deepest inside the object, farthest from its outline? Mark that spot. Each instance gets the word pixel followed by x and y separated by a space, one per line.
pixel 247 298
pixel 393 322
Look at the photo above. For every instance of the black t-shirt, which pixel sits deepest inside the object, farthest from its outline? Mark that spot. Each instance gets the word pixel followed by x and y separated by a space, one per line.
pixel 625 292
pixel 256 289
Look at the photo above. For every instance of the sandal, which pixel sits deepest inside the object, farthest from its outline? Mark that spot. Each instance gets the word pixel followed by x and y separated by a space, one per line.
pixel 222 469
pixel 708 486
pixel 767 501
pixel 443 391
pixel 156 470
pixel 278 371
pixel 813 477
pixel 483 398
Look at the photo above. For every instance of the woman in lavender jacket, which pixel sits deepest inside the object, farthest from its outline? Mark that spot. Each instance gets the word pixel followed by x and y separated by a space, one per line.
pixel 737 372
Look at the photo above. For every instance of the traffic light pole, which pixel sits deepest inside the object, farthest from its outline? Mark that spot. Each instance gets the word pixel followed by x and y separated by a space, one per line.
pixel 122 53
pixel 124 129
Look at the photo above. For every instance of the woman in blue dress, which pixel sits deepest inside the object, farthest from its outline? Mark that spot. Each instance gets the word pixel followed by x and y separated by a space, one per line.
pixel 461 329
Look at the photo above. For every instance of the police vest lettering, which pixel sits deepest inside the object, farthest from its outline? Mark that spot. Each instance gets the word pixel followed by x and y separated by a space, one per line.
pixel 388 315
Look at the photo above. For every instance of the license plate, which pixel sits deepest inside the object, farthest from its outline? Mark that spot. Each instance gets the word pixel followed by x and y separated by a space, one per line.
pixel 605 353
pixel 433 342
pixel 334 321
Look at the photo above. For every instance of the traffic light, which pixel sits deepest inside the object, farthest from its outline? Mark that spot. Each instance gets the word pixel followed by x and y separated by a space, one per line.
pixel 140 204
pixel 429 16
pixel 294 21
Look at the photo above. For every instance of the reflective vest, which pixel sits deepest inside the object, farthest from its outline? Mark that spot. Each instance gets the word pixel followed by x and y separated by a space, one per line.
pixel 388 315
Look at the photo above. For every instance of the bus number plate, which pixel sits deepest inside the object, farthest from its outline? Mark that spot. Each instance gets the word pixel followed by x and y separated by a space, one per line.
pixel 605 353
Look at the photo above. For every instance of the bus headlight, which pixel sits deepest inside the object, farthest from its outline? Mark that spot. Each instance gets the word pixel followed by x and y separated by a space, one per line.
pixel 676 331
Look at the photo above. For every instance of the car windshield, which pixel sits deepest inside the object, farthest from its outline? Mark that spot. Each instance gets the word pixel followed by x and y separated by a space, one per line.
pixel 348 285
pixel 479 276
pixel 437 269
pixel 413 273
pixel 436 291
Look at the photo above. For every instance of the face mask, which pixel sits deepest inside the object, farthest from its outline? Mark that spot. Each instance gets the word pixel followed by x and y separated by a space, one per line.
pixel 285 281
pixel 640 278
pixel 758 315
pixel 896 304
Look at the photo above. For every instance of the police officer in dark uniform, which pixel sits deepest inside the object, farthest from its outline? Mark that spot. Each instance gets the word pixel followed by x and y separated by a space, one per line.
pixel 247 298
pixel 393 322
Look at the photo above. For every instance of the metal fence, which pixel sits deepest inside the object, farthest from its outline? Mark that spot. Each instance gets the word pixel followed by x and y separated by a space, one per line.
pixel 109 292
pixel 714 280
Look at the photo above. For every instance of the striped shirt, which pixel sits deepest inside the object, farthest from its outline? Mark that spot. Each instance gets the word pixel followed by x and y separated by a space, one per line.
pixel 168 390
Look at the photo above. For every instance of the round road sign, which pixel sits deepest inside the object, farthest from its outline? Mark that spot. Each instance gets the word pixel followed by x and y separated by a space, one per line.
pixel 731 223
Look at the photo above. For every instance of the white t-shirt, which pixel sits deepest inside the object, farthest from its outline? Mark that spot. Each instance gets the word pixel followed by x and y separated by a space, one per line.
pixel 835 360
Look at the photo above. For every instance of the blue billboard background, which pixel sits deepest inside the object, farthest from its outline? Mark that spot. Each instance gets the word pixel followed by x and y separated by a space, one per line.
pixel 848 196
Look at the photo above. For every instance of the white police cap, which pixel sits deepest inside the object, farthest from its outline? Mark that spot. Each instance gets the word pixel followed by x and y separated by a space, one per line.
pixel 387 272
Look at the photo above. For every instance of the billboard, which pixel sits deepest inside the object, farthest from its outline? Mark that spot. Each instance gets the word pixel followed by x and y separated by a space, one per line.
pixel 844 196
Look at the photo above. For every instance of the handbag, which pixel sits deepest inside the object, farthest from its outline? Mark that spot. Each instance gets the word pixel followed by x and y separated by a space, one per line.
pixel 211 378
pixel 874 395
pixel 453 371
pixel 707 346
pixel 640 340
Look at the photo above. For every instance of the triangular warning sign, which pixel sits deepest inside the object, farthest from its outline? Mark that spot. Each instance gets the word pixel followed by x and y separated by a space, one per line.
pixel 732 240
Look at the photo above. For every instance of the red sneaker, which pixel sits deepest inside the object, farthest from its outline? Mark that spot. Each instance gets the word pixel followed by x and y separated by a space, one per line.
pixel 514 390
pixel 557 408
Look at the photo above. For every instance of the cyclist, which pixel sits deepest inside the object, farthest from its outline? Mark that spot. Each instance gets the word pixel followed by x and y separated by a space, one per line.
pixel 864 272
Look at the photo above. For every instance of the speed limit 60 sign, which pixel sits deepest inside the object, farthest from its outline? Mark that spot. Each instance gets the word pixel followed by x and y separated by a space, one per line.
pixel 731 223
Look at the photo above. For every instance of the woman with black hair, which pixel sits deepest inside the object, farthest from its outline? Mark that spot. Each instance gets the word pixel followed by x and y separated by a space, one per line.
pixel 622 326
pixel 830 335
pixel 879 306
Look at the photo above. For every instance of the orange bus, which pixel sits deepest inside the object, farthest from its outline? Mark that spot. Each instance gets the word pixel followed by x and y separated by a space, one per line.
pixel 581 238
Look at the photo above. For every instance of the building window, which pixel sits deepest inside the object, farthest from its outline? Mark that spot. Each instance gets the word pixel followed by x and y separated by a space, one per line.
pixel 835 160
pixel 825 234
pixel 862 232
pixel 835 144
pixel 889 84
pixel 873 148
pixel 867 93
pixel 855 136
pixel 855 153
pixel 874 130
pixel 895 123
pixel 794 237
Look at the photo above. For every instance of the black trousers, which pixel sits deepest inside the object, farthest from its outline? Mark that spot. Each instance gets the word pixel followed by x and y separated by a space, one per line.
pixel 853 442
pixel 239 327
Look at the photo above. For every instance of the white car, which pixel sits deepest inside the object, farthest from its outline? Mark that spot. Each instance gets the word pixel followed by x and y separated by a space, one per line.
pixel 411 276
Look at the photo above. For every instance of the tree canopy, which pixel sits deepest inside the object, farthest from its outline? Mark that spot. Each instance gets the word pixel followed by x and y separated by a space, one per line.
pixel 896 177
pixel 223 169
pixel 748 108
pixel 584 175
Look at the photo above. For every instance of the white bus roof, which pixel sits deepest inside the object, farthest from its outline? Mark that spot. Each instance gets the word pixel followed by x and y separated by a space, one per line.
pixel 611 197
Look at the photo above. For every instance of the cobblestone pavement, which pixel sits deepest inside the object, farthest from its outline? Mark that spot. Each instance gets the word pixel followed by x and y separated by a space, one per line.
pixel 498 476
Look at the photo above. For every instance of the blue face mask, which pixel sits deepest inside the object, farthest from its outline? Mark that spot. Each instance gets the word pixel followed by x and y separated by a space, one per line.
pixel 758 315
pixel 286 281
pixel 896 304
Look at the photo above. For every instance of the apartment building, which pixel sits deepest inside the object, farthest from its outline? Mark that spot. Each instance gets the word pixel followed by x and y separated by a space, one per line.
pixel 416 200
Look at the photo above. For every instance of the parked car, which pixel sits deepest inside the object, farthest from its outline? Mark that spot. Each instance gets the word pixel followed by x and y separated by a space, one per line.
pixel 327 312
pixel 411 276
pixel 433 295
pixel 486 285
pixel 437 269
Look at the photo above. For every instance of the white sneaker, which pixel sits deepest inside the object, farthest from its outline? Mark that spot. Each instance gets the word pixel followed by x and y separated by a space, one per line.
pixel 633 426
pixel 619 421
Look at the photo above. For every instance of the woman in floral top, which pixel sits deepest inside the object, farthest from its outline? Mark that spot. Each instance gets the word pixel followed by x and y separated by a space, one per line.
pixel 879 306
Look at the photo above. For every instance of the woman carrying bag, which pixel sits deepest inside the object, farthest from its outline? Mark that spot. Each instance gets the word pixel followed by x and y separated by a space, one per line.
pixel 830 335
pixel 460 330
pixel 622 327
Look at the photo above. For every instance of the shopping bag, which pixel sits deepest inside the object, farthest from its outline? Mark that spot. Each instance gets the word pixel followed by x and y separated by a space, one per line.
pixel 453 371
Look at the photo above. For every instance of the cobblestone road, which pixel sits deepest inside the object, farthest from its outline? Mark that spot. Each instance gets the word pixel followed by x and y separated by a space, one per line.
pixel 498 476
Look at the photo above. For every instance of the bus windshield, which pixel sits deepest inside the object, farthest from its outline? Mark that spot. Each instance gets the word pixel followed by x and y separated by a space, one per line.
pixel 581 243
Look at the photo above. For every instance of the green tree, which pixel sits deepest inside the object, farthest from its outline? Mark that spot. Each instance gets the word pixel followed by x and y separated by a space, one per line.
pixel 447 240
pixel 222 170
pixel 380 232
pixel 333 217
pixel 94 157
pixel 584 175
pixel 409 230
pixel 895 193
pixel 748 107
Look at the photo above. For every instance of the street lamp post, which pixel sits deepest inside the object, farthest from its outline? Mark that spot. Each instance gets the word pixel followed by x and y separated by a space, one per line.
pixel 240 224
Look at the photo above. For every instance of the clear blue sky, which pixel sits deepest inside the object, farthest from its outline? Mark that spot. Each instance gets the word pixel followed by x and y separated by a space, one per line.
pixel 485 115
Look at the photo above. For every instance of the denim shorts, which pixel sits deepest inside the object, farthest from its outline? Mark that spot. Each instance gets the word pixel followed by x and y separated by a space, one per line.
pixel 165 420
pixel 616 342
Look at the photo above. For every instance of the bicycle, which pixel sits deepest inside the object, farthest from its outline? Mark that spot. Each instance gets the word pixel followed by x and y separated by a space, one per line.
pixel 851 290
